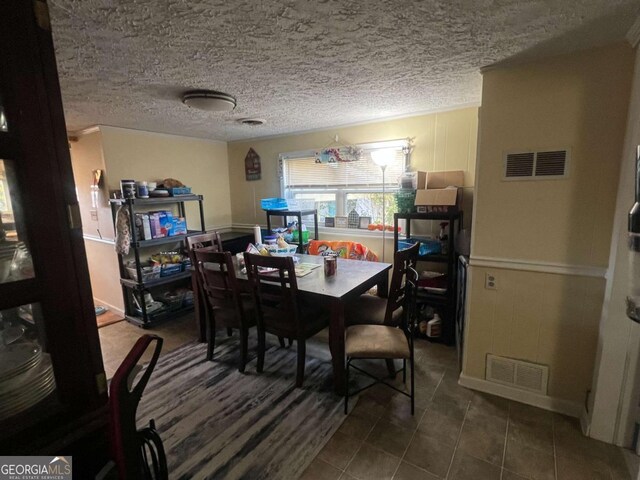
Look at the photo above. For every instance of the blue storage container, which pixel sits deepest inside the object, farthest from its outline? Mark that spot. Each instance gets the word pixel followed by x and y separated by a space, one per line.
pixel 427 246
pixel 273 204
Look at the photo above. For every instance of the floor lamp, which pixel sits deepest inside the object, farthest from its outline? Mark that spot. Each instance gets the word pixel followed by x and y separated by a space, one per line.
pixel 383 158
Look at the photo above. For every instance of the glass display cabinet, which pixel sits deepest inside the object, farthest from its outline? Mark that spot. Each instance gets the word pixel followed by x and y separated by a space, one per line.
pixel 52 382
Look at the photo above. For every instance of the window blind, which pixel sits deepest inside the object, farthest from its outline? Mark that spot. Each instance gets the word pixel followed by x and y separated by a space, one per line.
pixel 304 172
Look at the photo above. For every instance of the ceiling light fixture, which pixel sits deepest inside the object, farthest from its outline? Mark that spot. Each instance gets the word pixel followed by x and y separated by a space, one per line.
pixel 209 100
pixel 252 122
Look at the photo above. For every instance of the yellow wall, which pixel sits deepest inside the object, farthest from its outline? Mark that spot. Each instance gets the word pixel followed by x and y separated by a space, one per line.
pixel 200 164
pixel 577 101
pixel 443 141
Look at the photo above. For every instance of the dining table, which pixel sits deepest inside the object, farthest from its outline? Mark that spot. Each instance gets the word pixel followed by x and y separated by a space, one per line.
pixel 352 279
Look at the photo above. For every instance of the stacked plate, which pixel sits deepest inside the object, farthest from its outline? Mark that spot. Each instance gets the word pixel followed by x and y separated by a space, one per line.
pixel 26 377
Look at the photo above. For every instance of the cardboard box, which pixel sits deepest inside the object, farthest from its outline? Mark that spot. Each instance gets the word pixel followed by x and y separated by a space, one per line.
pixel 440 200
pixel 422 180
pixel 179 226
pixel 451 178
pixel 154 223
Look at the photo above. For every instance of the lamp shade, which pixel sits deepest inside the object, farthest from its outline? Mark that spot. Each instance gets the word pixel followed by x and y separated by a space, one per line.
pixel 209 100
pixel 383 156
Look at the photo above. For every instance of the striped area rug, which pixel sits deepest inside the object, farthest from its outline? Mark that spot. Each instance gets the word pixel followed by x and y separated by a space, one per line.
pixel 217 423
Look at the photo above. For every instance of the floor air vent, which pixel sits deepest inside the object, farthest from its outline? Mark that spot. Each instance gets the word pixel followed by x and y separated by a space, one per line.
pixel 542 165
pixel 518 374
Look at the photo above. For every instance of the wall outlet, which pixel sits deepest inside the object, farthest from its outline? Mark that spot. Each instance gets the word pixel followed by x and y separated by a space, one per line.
pixel 490 282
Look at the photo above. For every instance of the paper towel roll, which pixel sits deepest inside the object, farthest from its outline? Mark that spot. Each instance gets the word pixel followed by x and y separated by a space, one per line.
pixel 257 234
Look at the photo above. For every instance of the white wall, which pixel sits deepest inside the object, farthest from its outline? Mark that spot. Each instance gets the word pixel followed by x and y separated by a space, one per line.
pixel 615 381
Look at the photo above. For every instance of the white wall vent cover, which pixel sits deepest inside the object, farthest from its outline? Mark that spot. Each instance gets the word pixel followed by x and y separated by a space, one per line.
pixel 541 165
pixel 518 374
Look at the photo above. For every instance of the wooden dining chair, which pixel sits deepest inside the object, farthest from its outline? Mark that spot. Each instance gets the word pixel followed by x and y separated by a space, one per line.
pixel 374 310
pixel 279 310
pixel 211 241
pixel 204 240
pixel 385 342
pixel 226 305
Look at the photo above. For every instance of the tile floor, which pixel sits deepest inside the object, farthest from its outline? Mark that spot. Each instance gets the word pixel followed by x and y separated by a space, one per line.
pixel 116 340
pixel 455 433
pixel 459 434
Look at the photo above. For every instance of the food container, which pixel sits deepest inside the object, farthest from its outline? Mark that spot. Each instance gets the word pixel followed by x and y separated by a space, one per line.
pixel 143 190
pixel 330 265
pixel 128 188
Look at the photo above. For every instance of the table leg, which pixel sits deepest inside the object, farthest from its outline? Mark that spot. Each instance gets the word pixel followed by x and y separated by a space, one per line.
pixel 336 344
pixel 198 306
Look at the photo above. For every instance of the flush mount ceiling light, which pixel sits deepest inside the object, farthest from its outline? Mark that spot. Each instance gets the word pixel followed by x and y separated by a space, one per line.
pixel 209 100
pixel 252 122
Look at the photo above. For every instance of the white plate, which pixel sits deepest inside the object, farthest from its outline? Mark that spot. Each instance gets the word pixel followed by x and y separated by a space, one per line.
pixel 18 358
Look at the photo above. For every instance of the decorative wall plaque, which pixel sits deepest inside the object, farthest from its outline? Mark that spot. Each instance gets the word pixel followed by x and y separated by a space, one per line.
pixel 252 168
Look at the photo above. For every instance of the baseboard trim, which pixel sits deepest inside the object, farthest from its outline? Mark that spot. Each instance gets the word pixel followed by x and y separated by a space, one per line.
pixel 541 267
pixel 545 402
pixel 111 308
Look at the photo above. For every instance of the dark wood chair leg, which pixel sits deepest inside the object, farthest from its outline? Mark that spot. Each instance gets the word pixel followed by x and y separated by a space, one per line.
pixel 346 388
pixel 301 361
pixel 261 342
pixel 404 370
pixel 290 341
pixel 211 337
pixel 281 340
pixel 229 332
pixel 244 345
pixel 391 368
pixel 413 395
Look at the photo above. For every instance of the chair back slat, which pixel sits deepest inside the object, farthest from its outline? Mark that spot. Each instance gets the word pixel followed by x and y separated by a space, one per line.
pixel 218 279
pixel 209 240
pixel 402 261
pixel 410 292
pixel 275 292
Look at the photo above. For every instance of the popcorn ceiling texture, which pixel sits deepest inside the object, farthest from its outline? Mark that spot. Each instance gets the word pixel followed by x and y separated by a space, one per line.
pixel 300 64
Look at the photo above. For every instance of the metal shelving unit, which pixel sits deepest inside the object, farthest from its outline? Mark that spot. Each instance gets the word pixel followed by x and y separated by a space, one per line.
pixel 299 214
pixel 139 287
pixel 446 302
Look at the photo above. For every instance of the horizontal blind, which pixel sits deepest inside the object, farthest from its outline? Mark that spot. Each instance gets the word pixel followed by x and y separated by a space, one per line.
pixel 363 173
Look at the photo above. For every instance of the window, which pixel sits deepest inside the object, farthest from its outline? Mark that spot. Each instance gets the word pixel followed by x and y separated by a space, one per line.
pixel 337 188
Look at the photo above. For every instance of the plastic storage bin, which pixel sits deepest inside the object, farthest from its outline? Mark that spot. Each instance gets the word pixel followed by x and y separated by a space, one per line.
pixel 177 191
pixel 427 246
pixel 148 273
pixel 405 199
pixel 169 269
pixel 273 204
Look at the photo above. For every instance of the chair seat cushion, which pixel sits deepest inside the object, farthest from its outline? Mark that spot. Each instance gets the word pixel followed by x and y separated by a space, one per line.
pixel 376 341
pixel 370 310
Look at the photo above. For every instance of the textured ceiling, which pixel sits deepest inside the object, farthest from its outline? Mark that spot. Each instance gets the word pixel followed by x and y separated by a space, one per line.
pixel 301 65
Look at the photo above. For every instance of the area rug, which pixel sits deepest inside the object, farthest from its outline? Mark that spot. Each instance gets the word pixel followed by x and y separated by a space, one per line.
pixel 108 318
pixel 217 423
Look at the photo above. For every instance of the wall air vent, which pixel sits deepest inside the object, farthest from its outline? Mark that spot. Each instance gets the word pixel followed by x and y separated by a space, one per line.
pixel 541 165
pixel 517 374
pixel 519 165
